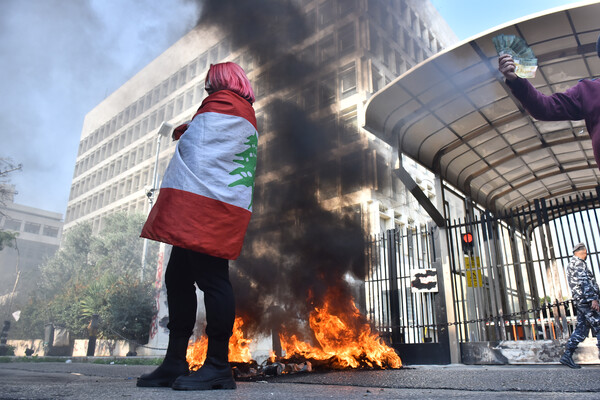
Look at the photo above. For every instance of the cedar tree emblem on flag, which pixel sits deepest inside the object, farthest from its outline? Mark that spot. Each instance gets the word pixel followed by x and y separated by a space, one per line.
pixel 248 165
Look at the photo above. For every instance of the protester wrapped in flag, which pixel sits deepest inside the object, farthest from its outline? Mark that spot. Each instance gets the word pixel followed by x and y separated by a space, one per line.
pixel 205 199
pixel 203 210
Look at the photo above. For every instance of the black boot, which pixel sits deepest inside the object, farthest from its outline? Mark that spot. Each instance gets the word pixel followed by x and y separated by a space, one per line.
pixel 173 366
pixel 567 359
pixel 215 373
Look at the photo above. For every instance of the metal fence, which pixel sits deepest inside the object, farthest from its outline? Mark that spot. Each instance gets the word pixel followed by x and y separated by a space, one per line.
pixel 510 284
pixel 399 314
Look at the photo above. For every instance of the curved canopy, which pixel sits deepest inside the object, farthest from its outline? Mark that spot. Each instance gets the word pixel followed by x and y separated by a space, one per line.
pixel 454 114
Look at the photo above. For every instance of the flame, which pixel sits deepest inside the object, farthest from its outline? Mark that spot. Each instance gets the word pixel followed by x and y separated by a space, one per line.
pixel 345 340
pixel 272 356
pixel 239 350
pixel 344 337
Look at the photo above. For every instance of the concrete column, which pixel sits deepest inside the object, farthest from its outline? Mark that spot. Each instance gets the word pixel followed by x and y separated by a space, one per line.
pixel 442 261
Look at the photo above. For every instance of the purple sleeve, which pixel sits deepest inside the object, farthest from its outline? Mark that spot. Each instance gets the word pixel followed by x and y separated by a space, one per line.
pixel 556 107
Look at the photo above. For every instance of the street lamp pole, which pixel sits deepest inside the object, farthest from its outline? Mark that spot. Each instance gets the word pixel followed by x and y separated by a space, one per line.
pixel 164 131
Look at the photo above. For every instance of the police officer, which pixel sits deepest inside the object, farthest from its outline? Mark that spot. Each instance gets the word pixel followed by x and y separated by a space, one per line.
pixel 585 296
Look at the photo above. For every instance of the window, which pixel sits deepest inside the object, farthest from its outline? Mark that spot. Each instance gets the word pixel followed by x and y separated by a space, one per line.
pixel 169 110
pixel 396 35
pixel 164 88
pixel 348 116
pixel 309 55
pixel 144 126
pixel 374 42
pixel 348 80
pixel 179 105
pixel 225 48
pixel 214 54
pixel 260 89
pixel 326 13
pixel 202 62
pixel 173 83
pixel 387 52
pixel 351 173
pixel 248 62
pixel 399 64
pixel 129 136
pixel 146 104
pixel 136 182
pixel 406 41
pixel 193 69
pixel 160 116
pixel 326 49
pixel 32 227
pixel 189 99
pixel 309 96
pixel 347 39
pixel 328 180
pixel 152 122
pixel 377 79
pixel 311 21
pixel 182 77
pixel 12 224
pixel 346 6
pixel 326 90
pixel 156 95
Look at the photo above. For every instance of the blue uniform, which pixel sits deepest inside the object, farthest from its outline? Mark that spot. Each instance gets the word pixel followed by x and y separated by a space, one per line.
pixel 584 290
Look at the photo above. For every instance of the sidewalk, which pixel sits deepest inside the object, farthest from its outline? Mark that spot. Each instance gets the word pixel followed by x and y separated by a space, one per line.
pixel 54 380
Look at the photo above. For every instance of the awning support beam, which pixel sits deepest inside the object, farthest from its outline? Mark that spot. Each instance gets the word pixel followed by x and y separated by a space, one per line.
pixel 422 199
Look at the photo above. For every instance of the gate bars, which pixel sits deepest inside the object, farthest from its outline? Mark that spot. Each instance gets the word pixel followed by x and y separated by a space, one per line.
pixel 398 314
pixel 510 286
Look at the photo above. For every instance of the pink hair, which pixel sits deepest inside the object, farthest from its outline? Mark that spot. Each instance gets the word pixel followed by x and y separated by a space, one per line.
pixel 229 76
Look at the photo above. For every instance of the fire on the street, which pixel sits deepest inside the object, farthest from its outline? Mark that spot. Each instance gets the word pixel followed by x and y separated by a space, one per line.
pixel 239 352
pixel 344 340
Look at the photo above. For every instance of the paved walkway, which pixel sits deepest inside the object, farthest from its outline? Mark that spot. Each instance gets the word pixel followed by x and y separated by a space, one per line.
pixel 78 380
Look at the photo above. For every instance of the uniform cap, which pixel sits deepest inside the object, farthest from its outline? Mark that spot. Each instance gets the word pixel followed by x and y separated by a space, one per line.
pixel 579 246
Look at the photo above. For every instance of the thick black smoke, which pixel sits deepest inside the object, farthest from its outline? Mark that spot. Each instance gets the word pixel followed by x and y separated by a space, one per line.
pixel 295 250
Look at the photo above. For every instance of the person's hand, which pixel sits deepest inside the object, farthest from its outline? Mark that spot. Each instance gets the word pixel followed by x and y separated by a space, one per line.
pixel 506 65
pixel 595 305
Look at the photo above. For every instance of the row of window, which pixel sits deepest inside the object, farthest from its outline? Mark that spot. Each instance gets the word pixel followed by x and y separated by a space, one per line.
pixel 166 112
pixel 390 16
pixel 159 92
pixel 17 225
pixel 118 166
pixel 114 192
pixel 132 207
pixel 347 130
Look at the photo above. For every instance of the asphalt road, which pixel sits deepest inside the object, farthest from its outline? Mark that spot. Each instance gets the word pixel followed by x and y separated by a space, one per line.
pixel 78 380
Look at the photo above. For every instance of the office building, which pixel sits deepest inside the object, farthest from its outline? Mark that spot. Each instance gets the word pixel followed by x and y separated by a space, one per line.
pixel 39 234
pixel 358 47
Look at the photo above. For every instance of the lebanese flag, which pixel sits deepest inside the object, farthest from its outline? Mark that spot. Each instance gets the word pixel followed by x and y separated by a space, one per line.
pixel 205 199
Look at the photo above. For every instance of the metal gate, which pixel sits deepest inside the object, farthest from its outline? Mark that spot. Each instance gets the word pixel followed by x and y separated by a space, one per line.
pixel 412 322
pixel 509 283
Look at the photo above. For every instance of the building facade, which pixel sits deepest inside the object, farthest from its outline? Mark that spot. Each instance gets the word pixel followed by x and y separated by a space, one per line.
pixel 357 46
pixel 39 235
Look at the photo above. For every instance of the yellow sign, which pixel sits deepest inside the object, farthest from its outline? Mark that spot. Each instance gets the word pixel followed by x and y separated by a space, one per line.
pixel 473 266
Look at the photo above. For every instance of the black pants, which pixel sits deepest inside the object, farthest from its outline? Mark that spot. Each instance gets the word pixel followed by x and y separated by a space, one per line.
pixel 211 274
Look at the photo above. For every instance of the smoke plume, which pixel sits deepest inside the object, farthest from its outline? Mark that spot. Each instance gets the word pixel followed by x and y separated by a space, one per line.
pixel 295 249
